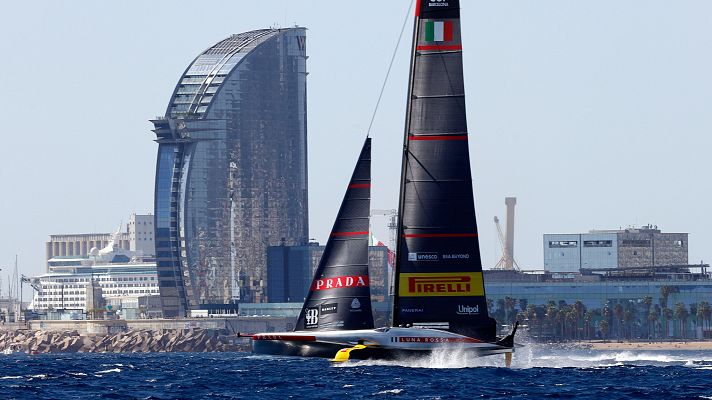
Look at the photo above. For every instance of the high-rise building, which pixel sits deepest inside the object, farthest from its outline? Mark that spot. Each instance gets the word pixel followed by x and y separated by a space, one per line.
pixel 140 229
pixel 231 173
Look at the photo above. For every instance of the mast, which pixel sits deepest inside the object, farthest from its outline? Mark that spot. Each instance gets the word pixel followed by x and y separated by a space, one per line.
pixel 438 267
pixel 340 296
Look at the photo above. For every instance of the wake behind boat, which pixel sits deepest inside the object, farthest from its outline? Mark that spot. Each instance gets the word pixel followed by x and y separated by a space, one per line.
pixel 439 298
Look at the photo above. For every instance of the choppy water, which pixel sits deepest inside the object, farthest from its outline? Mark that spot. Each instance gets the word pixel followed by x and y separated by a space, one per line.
pixel 538 372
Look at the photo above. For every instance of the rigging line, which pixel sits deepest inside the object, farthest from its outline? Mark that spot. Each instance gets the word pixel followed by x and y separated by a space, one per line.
pixel 393 57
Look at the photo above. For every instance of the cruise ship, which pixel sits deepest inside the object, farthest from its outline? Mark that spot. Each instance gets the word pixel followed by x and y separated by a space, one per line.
pixel 120 278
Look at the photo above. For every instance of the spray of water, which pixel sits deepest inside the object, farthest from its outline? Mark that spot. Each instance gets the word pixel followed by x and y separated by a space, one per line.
pixel 529 354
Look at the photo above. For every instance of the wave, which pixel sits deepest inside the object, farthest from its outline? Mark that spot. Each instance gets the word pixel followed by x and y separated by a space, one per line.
pixel 106 371
pixel 389 391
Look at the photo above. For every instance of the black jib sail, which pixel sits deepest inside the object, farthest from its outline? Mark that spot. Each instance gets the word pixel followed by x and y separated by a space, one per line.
pixel 438 270
pixel 340 296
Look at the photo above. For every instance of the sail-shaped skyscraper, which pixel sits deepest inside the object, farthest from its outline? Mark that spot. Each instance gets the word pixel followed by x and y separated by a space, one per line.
pixel 231 171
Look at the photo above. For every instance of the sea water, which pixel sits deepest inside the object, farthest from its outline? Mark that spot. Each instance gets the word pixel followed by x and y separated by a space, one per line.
pixel 538 371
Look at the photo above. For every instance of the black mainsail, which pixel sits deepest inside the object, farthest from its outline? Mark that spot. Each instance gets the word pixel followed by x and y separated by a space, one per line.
pixel 438 270
pixel 340 296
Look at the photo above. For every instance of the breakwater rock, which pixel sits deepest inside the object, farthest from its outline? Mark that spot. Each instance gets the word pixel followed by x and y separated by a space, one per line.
pixel 136 341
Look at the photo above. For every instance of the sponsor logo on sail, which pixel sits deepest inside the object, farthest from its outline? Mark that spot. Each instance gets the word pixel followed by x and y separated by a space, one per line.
pixel 441 284
pixel 339 282
pixel 468 310
pixel 458 256
pixel 355 305
pixel 438 3
pixel 330 308
pixel 311 315
pixel 423 257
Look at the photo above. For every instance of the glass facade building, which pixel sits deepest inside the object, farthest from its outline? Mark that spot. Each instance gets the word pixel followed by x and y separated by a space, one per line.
pixel 231 171
pixel 596 295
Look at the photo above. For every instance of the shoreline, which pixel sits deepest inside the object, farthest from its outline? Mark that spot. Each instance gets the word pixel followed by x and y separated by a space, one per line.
pixel 701 345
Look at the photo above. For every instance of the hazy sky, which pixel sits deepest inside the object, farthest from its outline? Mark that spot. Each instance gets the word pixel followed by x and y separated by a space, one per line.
pixel 594 114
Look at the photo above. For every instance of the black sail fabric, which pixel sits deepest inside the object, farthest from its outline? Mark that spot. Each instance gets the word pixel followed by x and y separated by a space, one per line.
pixel 340 295
pixel 438 269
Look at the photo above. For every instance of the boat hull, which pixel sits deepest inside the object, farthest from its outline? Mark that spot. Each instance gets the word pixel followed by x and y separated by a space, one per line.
pixel 381 344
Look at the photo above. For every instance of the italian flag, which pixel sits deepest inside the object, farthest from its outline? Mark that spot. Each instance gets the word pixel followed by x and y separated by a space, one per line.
pixel 438 31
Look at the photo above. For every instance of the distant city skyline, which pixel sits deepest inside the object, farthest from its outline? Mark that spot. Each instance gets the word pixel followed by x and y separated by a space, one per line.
pixel 593 114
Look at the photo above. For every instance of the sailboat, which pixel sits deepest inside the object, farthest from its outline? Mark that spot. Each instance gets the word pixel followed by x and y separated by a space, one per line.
pixel 439 299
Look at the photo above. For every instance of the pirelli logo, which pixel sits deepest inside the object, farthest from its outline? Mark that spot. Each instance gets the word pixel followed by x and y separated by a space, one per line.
pixel 441 284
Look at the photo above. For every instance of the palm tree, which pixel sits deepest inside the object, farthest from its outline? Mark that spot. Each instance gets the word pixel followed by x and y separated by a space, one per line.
pixel 573 319
pixel 693 316
pixel 579 310
pixel 647 302
pixel 706 311
pixel 667 316
pixel 664 293
pixel 652 319
pixel 634 323
pixel 606 313
pixel 681 315
pixel 561 319
pixel 628 317
pixel 509 304
pixel 588 317
pixel 552 313
pixel 618 312
pixel 523 304
pixel 603 324
pixel 540 316
pixel 700 317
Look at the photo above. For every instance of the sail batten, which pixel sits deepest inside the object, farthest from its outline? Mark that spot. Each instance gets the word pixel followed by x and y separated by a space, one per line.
pixel 438 266
pixel 339 297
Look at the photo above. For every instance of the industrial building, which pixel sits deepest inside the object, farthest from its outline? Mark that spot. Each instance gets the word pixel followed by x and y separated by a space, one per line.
pixel 290 270
pixel 138 237
pixel 231 170
pixel 632 247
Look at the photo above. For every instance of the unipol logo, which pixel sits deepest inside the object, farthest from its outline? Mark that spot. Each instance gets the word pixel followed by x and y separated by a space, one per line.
pixel 468 310
pixel 339 282
pixel 312 317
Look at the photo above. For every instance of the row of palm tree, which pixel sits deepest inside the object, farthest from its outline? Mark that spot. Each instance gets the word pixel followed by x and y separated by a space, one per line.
pixel 628 319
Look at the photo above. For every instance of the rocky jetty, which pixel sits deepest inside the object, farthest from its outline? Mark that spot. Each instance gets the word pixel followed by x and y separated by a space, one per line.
pixel 137 341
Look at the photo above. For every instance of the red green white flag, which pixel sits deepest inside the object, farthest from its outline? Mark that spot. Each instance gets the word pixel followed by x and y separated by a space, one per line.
pixel 438 31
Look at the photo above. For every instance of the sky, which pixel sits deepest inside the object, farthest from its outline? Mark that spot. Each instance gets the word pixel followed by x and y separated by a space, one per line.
pixel 594 114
